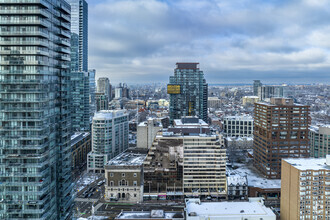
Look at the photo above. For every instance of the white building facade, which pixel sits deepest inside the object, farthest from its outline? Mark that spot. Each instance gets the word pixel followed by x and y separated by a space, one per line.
pixel 238 126
pixel 109 138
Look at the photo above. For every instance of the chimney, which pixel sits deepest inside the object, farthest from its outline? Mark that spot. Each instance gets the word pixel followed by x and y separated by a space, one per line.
pixel 328 160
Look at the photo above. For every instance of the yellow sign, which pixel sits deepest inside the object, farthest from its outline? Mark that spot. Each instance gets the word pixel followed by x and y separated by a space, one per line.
pixel 173 89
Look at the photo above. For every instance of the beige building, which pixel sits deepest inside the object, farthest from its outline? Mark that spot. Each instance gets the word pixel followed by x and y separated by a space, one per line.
pixel 124 177
pixel 250 100
pixel 146 132
pixel 213 102
pixel 305 189
pixel 319 140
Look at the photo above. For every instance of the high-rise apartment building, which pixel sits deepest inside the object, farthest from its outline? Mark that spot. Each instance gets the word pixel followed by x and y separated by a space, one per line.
pixel 305 189
pixel 92 90
pixel 109 138
pixel 35 121
pixel 104 86
pixel 280 131
pixel 79 35
pixel 319 140
pixel 101 101
pixel 188 92
pixel 256 85
pixel 80 112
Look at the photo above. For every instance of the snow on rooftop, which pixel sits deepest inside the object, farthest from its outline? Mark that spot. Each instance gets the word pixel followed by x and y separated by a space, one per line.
pixel 237 180
pixel 127 159
pixel 254 179
pixel 108 114
pixel 159 214
pixel 228 209
pixel 308 163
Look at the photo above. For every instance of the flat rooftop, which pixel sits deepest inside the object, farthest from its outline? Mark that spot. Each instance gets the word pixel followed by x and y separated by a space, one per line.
pixel 78 136
pixel 308 163
pixel 229 209
pixel 158 214
pixel 108 114
pixel 128 159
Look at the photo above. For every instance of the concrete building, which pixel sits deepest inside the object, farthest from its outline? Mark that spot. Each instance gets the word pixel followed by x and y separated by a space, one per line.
pixel 252 210
pixel 188 92
pixel 256 85
pixel 35 121
pixel 186 160
pixel 265 92
pixel 238 126
pixel 102 102
pixel 124 177
pixel 150 215
pixel 80 147
pixel 250 100
pixel 280 131
pixel 305 190
pixel 146 132
pixel 109 138
pixel 79 35
pixel 104 86
pixel 319 140
pixel 213 102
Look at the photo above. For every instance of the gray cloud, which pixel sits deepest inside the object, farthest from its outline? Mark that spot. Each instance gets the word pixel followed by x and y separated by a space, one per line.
pixel 138 41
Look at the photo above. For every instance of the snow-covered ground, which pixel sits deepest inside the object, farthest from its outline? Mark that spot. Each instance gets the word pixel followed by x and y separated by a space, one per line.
pixel 85 180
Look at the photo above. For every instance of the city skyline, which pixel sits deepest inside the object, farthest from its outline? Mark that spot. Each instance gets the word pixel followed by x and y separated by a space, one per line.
pixel 276 42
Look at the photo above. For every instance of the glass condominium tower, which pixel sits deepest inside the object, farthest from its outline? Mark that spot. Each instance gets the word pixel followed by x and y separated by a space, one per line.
pixel 35 122
pixel 79 35
pixel 188 92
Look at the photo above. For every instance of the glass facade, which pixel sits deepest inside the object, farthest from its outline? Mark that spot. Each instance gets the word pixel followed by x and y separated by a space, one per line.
pixel 35 122
pixel 192 98
pixel 80 101
pixel 79 31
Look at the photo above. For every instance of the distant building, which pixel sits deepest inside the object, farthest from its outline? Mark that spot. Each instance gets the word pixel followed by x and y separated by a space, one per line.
pixel 214 102
pixel 238 126
pixel 305 188
pixel 102 102
pixel 237 187
pixel 80 147
pixel 109 138
pixel 80 105
pixel 256 85
pixel 254 209
pixel 188 92
pixel 319 140
pixel 250 100
pixel 79 35
pixel 265 92
pixel 146 132
pixel 124 177
pixel 150 215
pixel 280 131
pixel 92 90
pixel 104 86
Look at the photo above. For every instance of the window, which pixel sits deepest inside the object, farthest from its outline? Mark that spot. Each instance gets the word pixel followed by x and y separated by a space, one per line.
pixel 135 175
pixel 123 174
pixel 134 195
pixel 111 183
pixel 135 183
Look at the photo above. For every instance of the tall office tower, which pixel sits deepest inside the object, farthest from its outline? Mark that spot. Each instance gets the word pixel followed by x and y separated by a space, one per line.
pixel 188 92
pixel 305 191
pixel 79 35
pixel 109 138
pixel 319 140
pixel 256 85
pixel 35 121
pixel 92 90
pixel 80 112
pixel 280 131
pixel 104 86
pixel 125 91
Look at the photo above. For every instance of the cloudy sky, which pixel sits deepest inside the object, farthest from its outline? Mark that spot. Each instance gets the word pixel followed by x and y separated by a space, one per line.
pixel 235 41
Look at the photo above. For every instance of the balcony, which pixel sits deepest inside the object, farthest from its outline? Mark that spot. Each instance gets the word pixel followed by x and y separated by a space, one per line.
pixel 65 17
pixel 43 43
pixel 41 22
pixel 27 2
pixel 25 33
pixel 42 12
